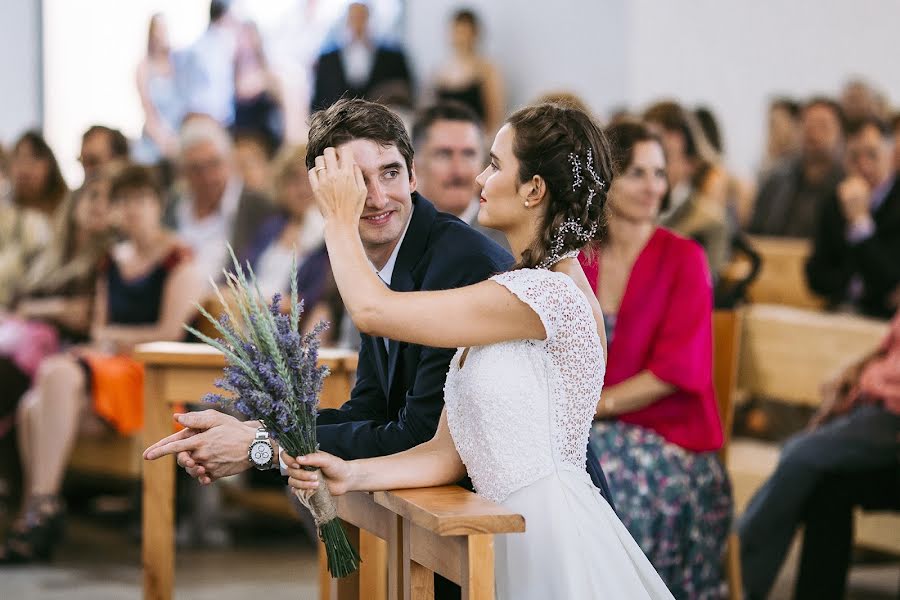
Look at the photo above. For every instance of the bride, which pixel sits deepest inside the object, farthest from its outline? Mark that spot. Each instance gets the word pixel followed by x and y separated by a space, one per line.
pixel 524 385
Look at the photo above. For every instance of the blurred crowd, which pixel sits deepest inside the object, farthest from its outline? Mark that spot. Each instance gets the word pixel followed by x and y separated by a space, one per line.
pixel 88 273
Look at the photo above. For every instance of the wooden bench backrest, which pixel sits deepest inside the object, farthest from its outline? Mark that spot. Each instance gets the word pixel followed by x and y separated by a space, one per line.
pixel 787 353
pixel 782 276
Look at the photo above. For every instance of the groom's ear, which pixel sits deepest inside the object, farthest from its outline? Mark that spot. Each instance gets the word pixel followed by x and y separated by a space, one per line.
pixel 534 190
pixel 413 182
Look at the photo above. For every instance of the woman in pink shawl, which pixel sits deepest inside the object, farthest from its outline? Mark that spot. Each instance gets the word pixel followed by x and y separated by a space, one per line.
pixel 658 425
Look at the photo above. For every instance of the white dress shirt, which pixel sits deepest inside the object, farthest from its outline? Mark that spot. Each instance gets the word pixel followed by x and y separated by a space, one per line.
pixel 386 274
pixel 357 57
pixel 209 235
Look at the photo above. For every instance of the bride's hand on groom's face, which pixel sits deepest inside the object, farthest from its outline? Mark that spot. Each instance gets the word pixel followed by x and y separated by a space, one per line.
pixel 338 185
pixel 338 473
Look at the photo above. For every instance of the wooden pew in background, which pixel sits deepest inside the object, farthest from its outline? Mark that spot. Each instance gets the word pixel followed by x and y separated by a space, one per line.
pixel 782 278
pixel 787 353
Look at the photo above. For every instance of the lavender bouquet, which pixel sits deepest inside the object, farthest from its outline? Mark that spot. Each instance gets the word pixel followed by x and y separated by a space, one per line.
pixel 272 375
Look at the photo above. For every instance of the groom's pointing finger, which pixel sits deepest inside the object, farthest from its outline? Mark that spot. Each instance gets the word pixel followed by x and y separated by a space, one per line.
pixel 183 434
pixel 185 445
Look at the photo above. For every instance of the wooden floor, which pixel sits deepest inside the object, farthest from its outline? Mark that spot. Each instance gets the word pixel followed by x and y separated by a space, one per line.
pixel 100 561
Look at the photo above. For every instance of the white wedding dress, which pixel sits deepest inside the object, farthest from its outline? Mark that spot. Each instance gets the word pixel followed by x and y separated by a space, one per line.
pixel 519 413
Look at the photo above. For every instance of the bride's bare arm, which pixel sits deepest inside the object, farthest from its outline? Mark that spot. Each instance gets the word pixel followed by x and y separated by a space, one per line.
pixel 433 463
pixel 475 315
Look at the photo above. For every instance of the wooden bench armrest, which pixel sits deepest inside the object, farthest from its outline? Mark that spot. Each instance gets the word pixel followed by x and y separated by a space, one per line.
pixel 182 354
pixel 451 510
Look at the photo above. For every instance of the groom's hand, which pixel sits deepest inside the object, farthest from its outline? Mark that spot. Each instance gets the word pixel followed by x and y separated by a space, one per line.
pixel 213 445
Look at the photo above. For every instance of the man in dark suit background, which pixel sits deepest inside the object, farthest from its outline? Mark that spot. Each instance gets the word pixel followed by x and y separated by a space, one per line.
pixel 856 256
pixel 361 68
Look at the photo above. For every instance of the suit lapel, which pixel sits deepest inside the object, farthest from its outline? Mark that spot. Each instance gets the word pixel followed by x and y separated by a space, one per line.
pixel 381 362
pixel 412 248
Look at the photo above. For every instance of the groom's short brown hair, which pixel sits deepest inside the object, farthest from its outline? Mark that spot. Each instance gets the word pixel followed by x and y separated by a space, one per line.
pixel 355 119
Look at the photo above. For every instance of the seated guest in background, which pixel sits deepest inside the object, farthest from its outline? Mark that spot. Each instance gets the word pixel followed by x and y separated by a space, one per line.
pixel 360 66
pixel 36 179
pixel 26 213
pixel 160 98
pixel 253 154
pixel 217 208
pixel 52 301
pixel 783 134
pixel 856 255
pixel 828 526
pixel 449 146
pixel 4 173
pixel 101 145
pixel 739 194
pixel 58 287
pixel 792 194
pixel 145 293
pixel 658 428
pixel 295 233
pixel 854 431
pixel 698 186
pixel 860 101
pixel 468 77
pixel 895 127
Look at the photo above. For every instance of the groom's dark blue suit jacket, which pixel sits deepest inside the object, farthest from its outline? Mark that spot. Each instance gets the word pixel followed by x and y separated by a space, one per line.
pixel 399 393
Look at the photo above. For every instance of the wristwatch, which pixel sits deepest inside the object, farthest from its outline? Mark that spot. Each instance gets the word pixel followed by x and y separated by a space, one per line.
pixel 261 452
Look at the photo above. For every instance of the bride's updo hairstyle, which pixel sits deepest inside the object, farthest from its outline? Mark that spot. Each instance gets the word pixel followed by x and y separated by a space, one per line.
pixel 565 147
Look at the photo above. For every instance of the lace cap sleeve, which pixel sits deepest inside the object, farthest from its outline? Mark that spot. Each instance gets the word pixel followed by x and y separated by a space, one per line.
pixel 547 293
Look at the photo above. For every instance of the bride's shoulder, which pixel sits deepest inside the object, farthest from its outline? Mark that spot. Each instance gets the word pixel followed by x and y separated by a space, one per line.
pixel 537 283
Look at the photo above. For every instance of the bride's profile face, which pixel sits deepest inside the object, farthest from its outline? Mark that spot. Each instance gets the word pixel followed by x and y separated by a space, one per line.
pixel 502 205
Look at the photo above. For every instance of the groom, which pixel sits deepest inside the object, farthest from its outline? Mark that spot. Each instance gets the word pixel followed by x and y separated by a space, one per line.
pixel 398 397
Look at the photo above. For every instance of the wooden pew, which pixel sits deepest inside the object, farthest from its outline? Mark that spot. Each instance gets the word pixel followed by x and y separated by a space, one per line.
pixel 449 531
pixel 177 373
pixel 786 354
pixel 782 278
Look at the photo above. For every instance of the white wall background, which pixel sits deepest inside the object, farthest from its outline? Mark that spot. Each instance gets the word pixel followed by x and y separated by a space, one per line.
pixel 729 54
pixel 20 75
pixel 734 55
pixel 575 45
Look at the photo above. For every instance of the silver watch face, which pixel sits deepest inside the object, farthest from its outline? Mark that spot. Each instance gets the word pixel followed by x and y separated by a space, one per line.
pixel 261 453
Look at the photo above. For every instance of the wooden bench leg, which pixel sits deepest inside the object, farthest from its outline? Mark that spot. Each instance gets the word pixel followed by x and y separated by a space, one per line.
pixel 396 588
pixel 421 582
pixel 372 572
pixel 733 568
pixel 418 581
pixel 326 591
pixel 478 571
pixel 348 587
pixel 158 543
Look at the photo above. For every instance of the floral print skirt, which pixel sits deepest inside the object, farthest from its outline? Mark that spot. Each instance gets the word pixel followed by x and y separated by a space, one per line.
pixel 675 503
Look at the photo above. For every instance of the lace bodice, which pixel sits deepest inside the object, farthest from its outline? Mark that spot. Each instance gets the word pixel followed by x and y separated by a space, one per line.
pixel 520 410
